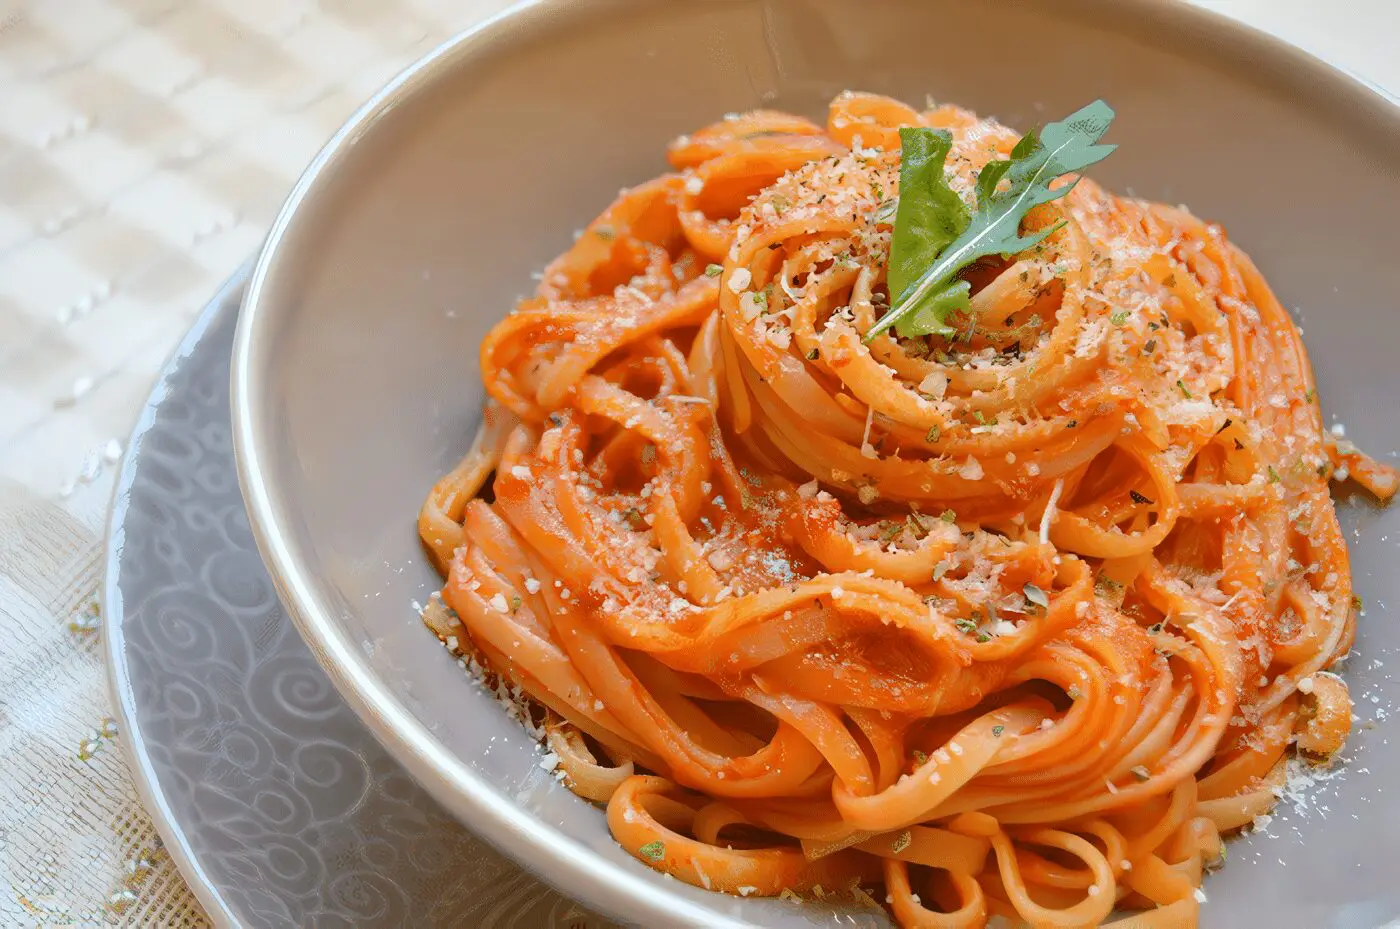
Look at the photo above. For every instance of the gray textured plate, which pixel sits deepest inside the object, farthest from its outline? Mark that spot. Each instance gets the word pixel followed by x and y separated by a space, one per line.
pixel 276 803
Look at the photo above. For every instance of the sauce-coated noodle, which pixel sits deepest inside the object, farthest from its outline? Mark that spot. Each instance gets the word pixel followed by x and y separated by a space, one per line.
pixel 1016 623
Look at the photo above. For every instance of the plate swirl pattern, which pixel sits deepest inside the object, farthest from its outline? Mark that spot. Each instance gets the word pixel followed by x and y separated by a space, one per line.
pixel 277 803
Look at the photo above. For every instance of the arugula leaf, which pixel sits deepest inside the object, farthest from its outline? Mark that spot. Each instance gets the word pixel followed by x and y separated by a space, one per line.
pixel 1006 192
pixel 931 316
pixel 930 215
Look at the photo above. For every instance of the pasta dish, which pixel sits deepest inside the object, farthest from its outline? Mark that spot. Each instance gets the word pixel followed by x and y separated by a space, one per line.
pixel 883 512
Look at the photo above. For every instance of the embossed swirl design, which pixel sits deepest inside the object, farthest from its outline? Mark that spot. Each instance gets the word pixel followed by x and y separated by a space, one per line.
pixel 294 812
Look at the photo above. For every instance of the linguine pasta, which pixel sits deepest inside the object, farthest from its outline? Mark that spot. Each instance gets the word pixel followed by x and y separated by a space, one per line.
pixel 1016 621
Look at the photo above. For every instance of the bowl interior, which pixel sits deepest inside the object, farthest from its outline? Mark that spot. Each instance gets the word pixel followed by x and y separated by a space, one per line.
pixel 356 379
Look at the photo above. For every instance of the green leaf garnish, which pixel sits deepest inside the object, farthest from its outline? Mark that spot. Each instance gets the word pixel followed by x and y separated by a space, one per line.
pixel 934 236
pixel 929 215
pixel 653 851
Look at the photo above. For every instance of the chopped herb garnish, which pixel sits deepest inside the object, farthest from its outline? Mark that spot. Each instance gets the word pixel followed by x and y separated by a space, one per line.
pixel 983 637
pixel 891 531
pixel 932 435
pixel 935 236
pixel 1140 498
pixel 1107 584
pixel 1071 424
pixel 997 731
pixel 605 232
pixel 1311 395
pixel 1036 597
pixel 814 354
pixel 653 851
pixel 1356 602
pixel 901 842
pixel 1184 392
pixel 920 758
pixel 1273 475
pixel 948 516
pixel 1119 318
pixel 714 270
pixel 965 625
pixel 515 601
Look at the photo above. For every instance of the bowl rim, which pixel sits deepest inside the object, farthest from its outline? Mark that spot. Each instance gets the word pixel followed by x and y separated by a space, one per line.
pixel 565 863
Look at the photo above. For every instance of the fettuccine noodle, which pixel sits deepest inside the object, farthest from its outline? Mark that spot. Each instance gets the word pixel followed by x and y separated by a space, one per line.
pixel 1017 622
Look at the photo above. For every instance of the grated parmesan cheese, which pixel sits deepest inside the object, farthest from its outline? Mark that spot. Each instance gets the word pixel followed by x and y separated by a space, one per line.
pixel 935 385
pixel 1048 517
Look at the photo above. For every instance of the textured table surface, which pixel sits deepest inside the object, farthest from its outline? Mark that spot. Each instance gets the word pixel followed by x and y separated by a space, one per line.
pixel 144 147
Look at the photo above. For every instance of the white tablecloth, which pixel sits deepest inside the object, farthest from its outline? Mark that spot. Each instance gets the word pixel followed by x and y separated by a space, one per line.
pixel 144 147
